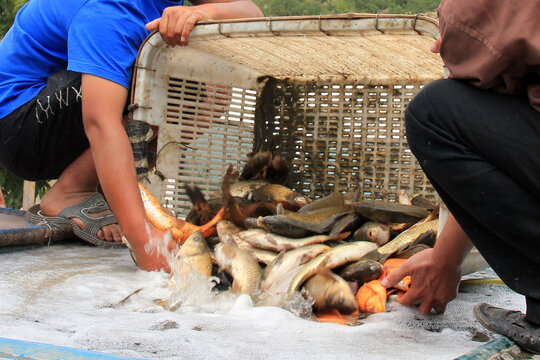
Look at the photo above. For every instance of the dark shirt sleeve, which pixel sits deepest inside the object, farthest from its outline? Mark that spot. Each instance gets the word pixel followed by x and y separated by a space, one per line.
pixel 494 44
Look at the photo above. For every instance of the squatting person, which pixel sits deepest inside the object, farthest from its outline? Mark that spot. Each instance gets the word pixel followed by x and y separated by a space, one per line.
pixel 65 70
pixel 477 138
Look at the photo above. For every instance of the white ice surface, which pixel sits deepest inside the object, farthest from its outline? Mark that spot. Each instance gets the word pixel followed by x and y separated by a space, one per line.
pixel 72 295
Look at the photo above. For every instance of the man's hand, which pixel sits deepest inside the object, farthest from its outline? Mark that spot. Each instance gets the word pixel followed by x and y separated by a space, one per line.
pixel 432 285
pixel 176 23
pixel 154 251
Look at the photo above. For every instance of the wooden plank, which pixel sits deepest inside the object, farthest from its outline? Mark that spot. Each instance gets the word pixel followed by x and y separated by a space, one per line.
pixel 16 349
pixel 29 191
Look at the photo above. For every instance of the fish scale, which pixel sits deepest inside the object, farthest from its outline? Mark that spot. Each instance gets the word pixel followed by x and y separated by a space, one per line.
pixel 340 255
pixel 407 237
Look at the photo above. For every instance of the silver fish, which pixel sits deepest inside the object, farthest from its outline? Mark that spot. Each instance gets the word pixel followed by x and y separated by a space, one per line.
pixel 262 239
pixel 193 256
pixel 338 256
pixel 241 265
pixel 228 232
pixel 373 231
pixel 288 260
pixel 330 292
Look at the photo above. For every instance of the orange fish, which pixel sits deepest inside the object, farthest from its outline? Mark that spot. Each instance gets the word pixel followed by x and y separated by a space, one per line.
pixel 391 265
pixel 180 229
pixel 331 317
pixel 335 317
pixel 371 297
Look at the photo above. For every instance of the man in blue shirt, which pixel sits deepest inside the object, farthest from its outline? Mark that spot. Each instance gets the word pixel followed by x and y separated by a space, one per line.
pixel 65 69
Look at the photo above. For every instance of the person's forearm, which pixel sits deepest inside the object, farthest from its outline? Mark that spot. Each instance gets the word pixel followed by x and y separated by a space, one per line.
pixel 103 102
pixel 228 10
pixel 452 245
pixel 118 181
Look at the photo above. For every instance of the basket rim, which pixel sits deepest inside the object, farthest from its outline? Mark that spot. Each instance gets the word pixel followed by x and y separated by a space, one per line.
pixel 283 25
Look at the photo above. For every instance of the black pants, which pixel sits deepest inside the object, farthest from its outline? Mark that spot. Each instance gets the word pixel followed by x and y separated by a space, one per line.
pixel 42 137
pixel 481 152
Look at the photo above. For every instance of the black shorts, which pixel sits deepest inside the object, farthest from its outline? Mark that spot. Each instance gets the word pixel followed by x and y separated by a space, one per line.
pixel 42 137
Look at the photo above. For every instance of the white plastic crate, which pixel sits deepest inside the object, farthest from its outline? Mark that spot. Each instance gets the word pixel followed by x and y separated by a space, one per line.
pixel 328 93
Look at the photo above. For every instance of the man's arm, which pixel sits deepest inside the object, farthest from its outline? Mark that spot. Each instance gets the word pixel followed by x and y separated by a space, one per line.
pixel 435 273
pixel 102 105
pixel 176 22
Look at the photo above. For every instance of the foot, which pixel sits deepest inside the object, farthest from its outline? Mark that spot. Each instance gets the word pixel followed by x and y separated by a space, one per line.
pixel 53 202
pixel 511 324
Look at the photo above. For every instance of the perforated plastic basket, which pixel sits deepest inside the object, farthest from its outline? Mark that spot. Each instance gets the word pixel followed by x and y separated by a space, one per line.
pixel 327 93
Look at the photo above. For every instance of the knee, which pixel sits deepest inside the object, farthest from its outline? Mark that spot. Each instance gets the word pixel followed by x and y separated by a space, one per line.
pixel 428 100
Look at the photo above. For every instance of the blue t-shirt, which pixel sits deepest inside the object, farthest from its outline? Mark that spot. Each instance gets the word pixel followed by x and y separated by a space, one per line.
pixel 97 37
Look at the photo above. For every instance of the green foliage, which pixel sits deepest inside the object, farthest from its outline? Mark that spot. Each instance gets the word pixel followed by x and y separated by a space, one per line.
pixel 8 9
pixel 12 189
pixel 313 7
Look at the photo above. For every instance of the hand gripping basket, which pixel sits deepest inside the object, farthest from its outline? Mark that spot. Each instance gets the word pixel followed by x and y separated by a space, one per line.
pixel 327 93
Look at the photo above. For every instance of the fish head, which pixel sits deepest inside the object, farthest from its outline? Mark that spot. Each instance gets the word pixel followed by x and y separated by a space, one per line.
pixel 195 244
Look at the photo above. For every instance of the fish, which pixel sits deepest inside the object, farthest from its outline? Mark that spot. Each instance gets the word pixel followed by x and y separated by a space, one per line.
pixel 201 210
pixel 408 237
pixel 336 199
pixel 373 231
pixel 288 260
pixel 263 165
pixel 180 229
pixel 276 226
pixel 241 265
pixel 337 256
pixel 328 292
pixel 389 213
pixel 275 293
pixel 263 239
pixel 402 241
pixel 193 256
pixel 228 231
pixel 428 238
pixel 298 225
pixel 257 165
pixel 411 250
pixel 335 317
pixel 361 271
pixel 371 297
pixel 345 224
pixel 403 198
pixel 391 265
pixel 423 202
pixel 279 194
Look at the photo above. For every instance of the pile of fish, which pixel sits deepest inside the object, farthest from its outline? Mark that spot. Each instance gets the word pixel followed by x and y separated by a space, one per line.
pixel 263 239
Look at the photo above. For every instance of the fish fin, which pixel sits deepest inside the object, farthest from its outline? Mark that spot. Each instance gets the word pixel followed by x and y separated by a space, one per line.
pixel 340 236
pixel 260 209
pixel 432 216
pixel 233 212
pixel 375 255
pixel 203 212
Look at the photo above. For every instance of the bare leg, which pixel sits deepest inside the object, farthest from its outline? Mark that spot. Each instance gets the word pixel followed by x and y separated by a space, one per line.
pixel 76 183
pixel 2 200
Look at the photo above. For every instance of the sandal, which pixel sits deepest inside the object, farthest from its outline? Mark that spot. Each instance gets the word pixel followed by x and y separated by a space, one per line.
pixel 511 324
pixel 92 224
